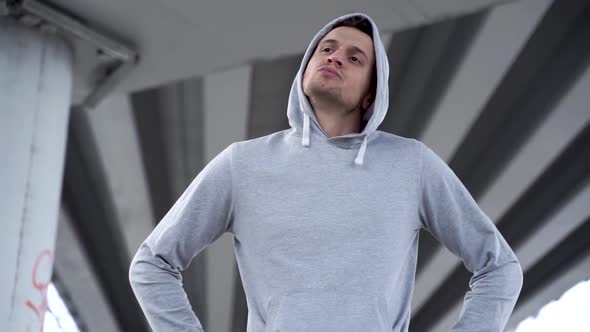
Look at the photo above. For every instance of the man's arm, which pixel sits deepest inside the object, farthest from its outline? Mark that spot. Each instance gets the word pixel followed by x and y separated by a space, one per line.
pixel 450 214
pixel 199 217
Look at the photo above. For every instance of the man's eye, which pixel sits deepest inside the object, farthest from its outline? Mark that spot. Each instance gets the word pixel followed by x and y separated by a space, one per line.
pixel 355 59
pixel 326 48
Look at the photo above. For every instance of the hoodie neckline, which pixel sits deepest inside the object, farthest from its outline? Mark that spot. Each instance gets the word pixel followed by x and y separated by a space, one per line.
pixel 300 113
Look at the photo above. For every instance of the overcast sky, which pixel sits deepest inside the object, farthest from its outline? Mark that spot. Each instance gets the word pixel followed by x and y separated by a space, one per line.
pixel 570 313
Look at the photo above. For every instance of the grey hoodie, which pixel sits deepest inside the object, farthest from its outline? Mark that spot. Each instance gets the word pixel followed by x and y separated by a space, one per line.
pixel 326 229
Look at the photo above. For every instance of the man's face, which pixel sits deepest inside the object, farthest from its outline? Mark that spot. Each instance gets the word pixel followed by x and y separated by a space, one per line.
pixel 348 53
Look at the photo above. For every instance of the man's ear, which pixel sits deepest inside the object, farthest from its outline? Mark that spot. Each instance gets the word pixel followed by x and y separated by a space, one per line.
pixel 366 102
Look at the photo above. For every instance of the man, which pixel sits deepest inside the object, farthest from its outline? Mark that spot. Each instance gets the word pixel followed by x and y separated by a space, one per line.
pixel 324 243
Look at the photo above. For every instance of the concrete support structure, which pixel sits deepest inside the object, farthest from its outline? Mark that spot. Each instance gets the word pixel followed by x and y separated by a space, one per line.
pixel 35 94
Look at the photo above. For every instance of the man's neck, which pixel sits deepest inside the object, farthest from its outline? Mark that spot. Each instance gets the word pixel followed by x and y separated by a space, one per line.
pixel 336 122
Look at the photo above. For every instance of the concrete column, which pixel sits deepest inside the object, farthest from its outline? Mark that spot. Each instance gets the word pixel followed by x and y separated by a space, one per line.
pixel 35 95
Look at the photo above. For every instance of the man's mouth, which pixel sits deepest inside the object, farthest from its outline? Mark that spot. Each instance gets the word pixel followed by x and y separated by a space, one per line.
pixel 329 71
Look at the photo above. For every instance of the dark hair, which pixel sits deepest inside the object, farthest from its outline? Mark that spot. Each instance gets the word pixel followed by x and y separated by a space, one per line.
pixel 358 22
pixel 365 26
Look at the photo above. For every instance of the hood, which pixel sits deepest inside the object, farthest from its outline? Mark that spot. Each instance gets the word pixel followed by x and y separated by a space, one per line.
pixel 302 117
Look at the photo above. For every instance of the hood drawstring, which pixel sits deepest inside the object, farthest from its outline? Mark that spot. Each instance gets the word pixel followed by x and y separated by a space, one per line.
pixel 361 155
pixel 305 140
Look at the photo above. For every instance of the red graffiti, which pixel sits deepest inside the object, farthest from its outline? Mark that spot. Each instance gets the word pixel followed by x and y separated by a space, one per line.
pixel 41 286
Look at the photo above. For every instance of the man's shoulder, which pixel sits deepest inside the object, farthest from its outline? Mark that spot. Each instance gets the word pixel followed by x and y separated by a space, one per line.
pixel 264 140
pixel 391 139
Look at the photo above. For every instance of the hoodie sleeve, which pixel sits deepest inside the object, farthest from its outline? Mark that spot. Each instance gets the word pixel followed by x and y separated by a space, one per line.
pixel 199 217
pixel 451 215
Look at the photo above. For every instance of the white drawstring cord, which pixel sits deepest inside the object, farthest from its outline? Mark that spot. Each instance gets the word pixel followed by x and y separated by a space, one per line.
pixel 361 154
pixel 305 140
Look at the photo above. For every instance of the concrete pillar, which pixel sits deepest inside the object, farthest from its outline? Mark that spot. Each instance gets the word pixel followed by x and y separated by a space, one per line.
pixel 35 95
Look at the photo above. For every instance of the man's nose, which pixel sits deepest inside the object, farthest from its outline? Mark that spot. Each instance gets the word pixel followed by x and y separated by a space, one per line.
pixel 334 57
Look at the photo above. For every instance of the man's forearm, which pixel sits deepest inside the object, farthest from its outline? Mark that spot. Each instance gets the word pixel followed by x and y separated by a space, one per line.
pixel 493 295
pixel 158 289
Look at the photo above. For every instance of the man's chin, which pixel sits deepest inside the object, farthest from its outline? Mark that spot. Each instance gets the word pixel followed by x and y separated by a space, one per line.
pixel 323 89
pixel 325 96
